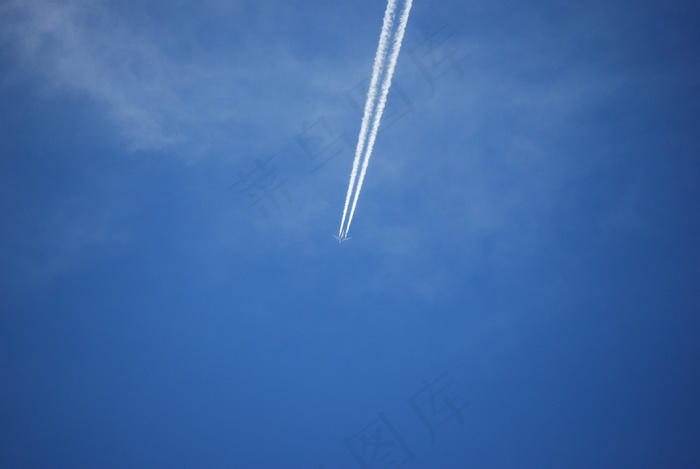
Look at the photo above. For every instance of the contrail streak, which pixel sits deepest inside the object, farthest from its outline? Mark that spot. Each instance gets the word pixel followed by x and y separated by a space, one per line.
pixel 377 68
pixel 386 84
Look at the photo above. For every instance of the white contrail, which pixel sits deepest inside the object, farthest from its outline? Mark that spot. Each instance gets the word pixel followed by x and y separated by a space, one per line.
pixel 379 59
pixel 386 84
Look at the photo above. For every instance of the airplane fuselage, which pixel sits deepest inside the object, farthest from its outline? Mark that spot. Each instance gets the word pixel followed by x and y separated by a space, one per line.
pixel 342 237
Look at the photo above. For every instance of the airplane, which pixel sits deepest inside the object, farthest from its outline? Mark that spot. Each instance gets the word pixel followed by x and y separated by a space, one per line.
pixel 343 237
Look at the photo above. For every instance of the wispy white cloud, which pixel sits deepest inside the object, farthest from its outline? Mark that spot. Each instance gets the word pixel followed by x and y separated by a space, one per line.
pixel 180 91
pixel 81 47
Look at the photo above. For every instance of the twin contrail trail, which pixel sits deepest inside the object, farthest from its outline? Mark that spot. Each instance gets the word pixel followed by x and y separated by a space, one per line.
pixel 374 106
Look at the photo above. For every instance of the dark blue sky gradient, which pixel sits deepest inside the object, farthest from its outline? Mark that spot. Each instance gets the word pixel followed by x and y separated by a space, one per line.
pixel 528 226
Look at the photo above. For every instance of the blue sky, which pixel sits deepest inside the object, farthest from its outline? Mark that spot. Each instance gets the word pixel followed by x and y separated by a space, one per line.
pixel 171 296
